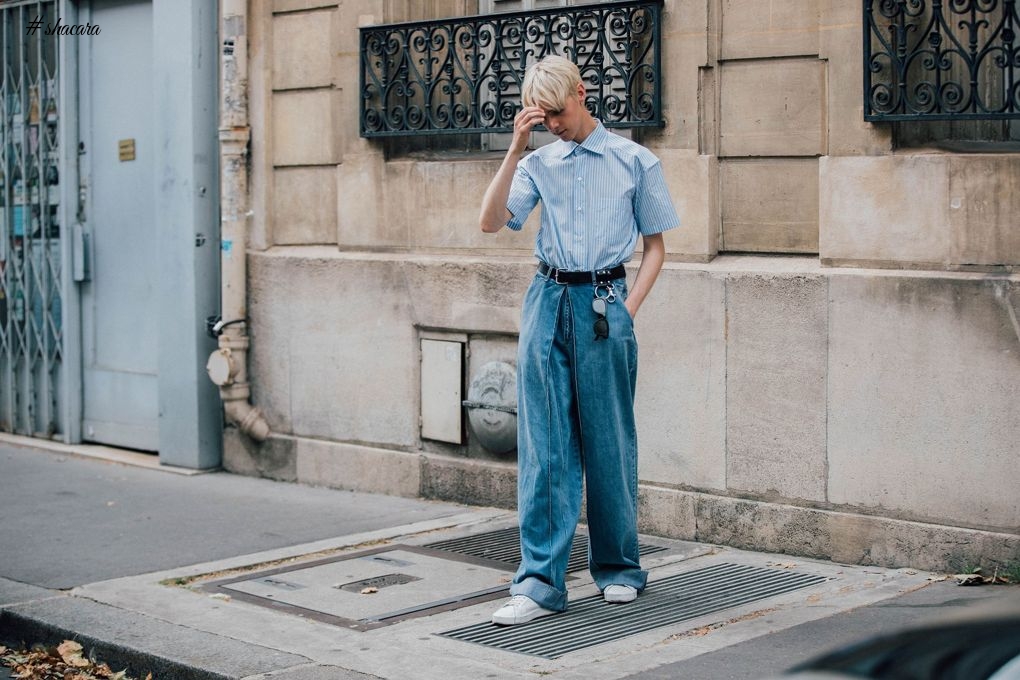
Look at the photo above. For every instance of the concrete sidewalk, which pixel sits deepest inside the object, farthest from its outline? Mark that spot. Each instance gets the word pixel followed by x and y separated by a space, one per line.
pixel 317 583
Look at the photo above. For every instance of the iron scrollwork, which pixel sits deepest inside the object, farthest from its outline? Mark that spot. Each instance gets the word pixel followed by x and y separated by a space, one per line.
pixel 464 75
pixel 947 60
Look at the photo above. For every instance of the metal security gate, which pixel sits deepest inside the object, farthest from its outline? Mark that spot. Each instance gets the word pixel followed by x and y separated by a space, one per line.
pixel 32 360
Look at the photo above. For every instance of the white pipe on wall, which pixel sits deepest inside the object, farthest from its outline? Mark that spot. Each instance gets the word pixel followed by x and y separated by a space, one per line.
pixel 227 366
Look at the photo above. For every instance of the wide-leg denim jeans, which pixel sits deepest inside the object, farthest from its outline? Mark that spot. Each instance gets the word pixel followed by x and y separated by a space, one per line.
pixel 575 398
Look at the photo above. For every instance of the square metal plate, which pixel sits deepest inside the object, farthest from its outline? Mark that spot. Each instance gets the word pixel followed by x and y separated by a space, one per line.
pixel 372 588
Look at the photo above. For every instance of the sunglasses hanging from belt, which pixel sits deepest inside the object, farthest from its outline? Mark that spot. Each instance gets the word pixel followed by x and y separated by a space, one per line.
pixel 603 294
pixel 598 305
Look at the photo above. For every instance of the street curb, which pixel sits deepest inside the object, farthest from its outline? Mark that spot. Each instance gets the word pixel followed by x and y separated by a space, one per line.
pixel 34 624
pixel 19 630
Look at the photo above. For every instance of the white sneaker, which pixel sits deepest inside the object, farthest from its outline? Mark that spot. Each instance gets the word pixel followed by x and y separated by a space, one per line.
pixel 619 593
pixel 519 609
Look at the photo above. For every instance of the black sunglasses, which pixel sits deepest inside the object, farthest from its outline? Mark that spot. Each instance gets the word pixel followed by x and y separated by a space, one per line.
pixel 598 305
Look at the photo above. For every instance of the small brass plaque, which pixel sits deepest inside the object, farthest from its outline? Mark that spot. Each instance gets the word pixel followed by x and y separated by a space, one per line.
pixel 126 147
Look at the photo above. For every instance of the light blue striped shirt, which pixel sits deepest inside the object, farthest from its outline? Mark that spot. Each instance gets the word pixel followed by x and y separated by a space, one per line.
pixel 596 196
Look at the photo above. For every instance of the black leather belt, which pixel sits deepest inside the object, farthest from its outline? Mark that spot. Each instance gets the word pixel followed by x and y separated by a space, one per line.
pixel 597 276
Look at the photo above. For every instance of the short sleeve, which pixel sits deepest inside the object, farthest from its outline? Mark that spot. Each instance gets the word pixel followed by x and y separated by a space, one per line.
pixel 522 199
pixel 653 209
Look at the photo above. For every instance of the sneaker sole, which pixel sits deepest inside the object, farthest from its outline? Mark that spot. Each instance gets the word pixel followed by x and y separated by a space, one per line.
pixel 513 621
pixel 619 599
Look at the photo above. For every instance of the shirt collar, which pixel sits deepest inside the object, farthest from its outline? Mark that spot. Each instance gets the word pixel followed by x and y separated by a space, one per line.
pixel 594 142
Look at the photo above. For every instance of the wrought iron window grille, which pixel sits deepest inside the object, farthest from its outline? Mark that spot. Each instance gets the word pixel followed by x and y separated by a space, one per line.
pixel 458 76
pixel 947 60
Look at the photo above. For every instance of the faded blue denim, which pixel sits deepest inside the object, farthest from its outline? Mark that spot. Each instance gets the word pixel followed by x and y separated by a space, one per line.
pixel 575 398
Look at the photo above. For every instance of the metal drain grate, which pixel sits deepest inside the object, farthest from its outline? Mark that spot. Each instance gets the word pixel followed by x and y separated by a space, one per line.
pixel 504 545
pixel 673 599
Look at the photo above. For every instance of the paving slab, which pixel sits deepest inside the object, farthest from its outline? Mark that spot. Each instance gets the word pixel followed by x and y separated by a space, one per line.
pixel 14 592
pixel 313 673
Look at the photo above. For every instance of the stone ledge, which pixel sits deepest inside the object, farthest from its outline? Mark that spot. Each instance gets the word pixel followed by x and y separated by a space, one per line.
pixel 358 468
pixel 469 481
pixel 726 265
pixel 838 536
pixel 845 537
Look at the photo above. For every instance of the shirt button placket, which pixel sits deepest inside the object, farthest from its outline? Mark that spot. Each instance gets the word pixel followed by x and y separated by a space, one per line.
pixel 579 193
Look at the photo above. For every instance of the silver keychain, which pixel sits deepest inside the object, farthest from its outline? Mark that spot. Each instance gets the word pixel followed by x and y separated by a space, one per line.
pixel 605 291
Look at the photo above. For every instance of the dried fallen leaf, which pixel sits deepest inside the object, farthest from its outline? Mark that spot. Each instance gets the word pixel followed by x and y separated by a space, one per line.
pixel 969 579
pixel 220 596
pixel 369 590
pixel 64 662
pixel 70 652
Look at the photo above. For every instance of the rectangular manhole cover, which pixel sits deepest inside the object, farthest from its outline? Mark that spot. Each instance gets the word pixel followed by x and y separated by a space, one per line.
pixel 590 621
pixel 373 588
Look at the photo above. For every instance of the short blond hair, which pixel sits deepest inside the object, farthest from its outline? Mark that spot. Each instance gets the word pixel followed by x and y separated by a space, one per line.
pixel 550 82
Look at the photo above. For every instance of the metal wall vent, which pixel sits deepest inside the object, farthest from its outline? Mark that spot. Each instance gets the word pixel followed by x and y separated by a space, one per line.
pixel 504 545
pixel 667 601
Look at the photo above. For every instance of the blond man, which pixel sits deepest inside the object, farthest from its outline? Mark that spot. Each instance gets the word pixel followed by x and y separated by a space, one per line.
pixel 577 353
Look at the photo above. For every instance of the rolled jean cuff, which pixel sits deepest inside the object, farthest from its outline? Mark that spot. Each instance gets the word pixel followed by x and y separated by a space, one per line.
pixel 544 594
pixel 635 578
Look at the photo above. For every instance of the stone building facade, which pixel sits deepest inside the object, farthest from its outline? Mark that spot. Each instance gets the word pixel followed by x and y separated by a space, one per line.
pixel 830 360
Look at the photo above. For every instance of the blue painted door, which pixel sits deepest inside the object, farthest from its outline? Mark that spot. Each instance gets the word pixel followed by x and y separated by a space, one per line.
pixel 119 322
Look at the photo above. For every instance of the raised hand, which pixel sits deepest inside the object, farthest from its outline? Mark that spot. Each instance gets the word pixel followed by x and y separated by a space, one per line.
pixel 524 122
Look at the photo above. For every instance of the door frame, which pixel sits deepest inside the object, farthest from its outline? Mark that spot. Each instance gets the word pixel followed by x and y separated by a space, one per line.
pixel 70 88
